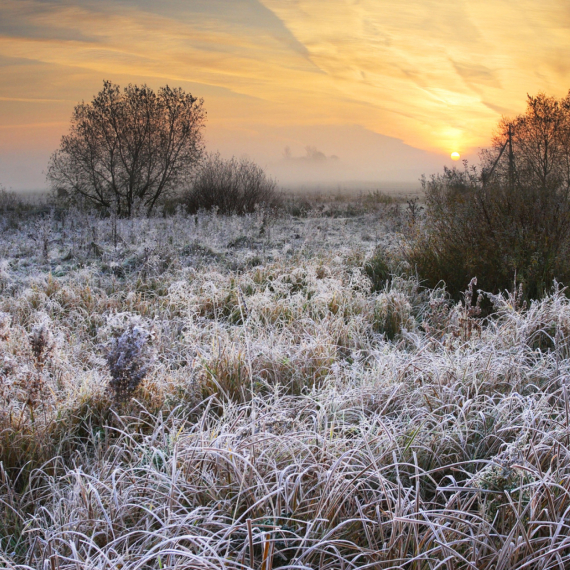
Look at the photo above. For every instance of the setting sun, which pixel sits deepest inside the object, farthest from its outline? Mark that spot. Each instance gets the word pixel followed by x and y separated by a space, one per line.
pixel 455 156
pixel 342 77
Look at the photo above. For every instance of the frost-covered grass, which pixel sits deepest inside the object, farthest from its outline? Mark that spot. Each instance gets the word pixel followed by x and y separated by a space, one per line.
pixel 272 410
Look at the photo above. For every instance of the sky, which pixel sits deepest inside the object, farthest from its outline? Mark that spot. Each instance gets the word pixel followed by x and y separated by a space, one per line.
pixel 316 91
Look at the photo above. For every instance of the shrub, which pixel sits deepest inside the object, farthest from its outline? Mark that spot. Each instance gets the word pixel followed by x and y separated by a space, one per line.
pixel 510 225
pixel 379 197
pixel 8 201
pixel 15 207
pixel 441 253
pixel 231 187
pixel 497 234
pixel 393 314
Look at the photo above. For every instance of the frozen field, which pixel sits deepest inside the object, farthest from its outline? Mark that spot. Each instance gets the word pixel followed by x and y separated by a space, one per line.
pixel 293 411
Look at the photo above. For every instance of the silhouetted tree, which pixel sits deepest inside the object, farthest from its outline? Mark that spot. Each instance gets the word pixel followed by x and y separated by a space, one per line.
pixel 533 149
pixel 129 148
pixel 513 221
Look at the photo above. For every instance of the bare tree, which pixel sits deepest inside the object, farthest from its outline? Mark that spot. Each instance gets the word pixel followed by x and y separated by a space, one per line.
pixel 129 148
pixel 533 149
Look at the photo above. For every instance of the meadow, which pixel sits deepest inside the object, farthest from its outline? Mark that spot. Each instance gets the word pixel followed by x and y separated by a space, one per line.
pixel 297 399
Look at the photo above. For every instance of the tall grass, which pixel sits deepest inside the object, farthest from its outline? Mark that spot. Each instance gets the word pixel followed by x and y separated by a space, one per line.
pixel 293 417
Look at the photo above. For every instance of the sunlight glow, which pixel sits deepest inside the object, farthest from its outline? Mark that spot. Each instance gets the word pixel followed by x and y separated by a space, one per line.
pixel 425 76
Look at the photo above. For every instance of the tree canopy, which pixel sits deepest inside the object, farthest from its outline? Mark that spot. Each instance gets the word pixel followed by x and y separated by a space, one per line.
pixel 129 148
pixel 533 149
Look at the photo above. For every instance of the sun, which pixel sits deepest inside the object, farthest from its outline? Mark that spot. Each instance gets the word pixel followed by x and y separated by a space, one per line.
pixel 455 155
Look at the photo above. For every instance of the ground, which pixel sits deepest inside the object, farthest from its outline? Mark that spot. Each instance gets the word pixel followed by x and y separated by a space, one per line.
pixel 210 392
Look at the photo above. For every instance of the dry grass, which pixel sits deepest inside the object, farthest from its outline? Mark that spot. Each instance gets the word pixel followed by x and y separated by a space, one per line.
pixel 292 418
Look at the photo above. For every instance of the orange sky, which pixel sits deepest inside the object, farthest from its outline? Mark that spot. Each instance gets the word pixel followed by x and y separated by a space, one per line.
pixel 390 88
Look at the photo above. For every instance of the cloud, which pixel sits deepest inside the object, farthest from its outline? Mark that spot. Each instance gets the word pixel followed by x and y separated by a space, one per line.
pixel 424 68
pixel 476 75
pixel 130 42
pixel 498 109
pixel 431 73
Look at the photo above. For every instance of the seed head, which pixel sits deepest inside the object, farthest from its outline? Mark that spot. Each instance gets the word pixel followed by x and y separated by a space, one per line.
pixel 129 357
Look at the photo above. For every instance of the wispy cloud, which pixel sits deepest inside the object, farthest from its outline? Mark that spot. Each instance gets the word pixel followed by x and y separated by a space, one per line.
pixel 435 74
pixel 427 66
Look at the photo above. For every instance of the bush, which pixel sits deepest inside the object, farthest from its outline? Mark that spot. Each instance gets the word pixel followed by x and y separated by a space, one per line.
pixel 230 186
pixel 16 207
pixel 497 234
pixel 129 357
pixel 8 201
pixel 508 226
pixel 377 267
pixel 392 314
